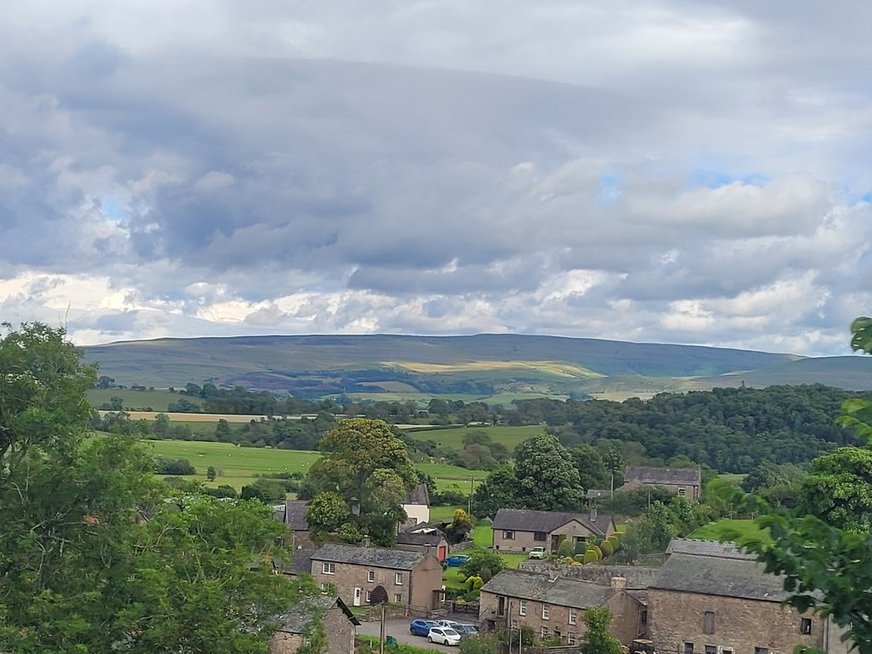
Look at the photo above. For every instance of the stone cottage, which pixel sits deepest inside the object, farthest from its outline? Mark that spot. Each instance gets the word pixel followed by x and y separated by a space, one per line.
pixel 338 621
pixel 520 530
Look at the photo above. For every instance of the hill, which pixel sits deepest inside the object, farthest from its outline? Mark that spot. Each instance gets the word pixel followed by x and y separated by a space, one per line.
pixel 478 366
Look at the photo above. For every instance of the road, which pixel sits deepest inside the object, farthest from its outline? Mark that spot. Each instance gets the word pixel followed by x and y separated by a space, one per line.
pixel 399 629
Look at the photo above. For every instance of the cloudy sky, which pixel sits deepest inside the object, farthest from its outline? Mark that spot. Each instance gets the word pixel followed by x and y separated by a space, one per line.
pixel 668 171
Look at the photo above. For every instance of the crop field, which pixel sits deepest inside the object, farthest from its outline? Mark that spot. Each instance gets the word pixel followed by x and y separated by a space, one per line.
pixel 508 436
pixel 238 466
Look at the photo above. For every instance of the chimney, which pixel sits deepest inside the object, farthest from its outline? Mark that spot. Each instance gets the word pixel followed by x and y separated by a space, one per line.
pixel 593 513
pixel 365 541
pixel 619 583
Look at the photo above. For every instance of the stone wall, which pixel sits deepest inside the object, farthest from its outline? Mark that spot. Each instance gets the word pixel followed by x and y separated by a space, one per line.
pixel 740 625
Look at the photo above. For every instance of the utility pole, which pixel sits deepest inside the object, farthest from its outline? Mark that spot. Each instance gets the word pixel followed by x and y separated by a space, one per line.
pixel 469 499
pixel 381 632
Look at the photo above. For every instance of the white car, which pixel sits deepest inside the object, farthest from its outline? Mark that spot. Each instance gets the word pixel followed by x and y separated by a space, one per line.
pixel 444 636
pixel 447 623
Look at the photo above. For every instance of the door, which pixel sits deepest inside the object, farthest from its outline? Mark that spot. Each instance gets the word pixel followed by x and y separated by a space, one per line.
pixel 357 594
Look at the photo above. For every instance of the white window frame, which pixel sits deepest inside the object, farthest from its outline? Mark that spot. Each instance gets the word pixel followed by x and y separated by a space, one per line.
pixel 328 568
pixel 546 612
pixel 398 579
pixel 508 534
pixel 370 576
pixel 368 596
pixel 543 632
pixel 573 616
pixel 522 607
pixel 398 599
pixel 570 638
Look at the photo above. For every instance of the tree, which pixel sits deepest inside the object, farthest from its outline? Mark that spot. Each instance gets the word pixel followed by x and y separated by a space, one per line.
pixel 327 512
pixel 367 465
pixel 459 527
pixel 826 567
pixel 547 480
pixel 81 571
pixel 597 639
pixel 591 468
pixel 210 473
pixel 839 489
pixel 499 491
pixel 481 560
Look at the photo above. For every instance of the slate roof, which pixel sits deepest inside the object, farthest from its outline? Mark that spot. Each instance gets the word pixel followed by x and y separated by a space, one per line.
pixel 375 557
pixel 406 538
pixel 547 521
pixel 298 618
pixel 562 591
pixel 722 576
pixel 706 548
pixel 295 515
pixel 300 563
pixel 418 495
pixel 645 475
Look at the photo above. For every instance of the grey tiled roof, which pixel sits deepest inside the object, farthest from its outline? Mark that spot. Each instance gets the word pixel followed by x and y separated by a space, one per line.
pixel 418 495
pixel 529 520
pixel 376 557
pixel 295 515
pixel 706 548
pixel 562 591
pixel 717 575
pixel 298 618
pixel 645 475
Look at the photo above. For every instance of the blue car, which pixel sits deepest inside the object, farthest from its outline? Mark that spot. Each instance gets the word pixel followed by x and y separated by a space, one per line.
pixel 421 627
pixel 456 561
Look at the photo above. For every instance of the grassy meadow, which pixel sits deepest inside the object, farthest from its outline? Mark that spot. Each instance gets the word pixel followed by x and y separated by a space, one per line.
pixel 718 530
pixel 453 437
pixel 238 466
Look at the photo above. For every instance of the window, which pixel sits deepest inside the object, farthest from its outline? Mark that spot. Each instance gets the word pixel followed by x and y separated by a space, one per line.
pixel 688 648
pixel 682 491
pixel 761 650
pixel 643 617
pixel 543 632
pixel 368 597
pixel 711 649
pixel 398 599
pixel 328 568
pixel 540 536
pixel 546 612
pixel 573 616
pixel 805 626
pixel 514 624
pixel 398 579
pixel 509 535
pixel 522 607
pixel 370 576
pixel 570 638
pixel 726 651
pixel 708 622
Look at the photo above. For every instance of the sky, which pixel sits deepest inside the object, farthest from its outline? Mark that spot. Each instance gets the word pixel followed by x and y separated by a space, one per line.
pixel 659 171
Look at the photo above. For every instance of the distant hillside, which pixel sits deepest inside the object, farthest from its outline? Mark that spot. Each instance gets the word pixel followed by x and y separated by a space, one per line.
pixel 471 366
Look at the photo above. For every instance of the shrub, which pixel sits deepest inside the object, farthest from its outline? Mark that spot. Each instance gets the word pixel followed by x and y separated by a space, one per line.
pixel 165 466
pixel 589 557
pixel 565 548
pixel 597 551
pixel 480 559
pixel 222 491
pixel 606 548
pixel 473 583
pixel 579 558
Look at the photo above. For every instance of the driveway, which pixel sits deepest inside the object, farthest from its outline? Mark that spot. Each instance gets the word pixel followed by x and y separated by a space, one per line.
pixel 399 629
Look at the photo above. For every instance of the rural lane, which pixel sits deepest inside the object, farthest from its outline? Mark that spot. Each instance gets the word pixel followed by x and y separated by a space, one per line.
pixel 399 629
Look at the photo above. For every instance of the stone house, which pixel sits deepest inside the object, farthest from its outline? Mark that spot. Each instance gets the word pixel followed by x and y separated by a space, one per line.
pixel 293 514
pixel 520 530
pixel 416 504
pixel 683 481
pixel 338 621
pixel 554 606
pixel 410 579
pixel 423 538
pixel 711 598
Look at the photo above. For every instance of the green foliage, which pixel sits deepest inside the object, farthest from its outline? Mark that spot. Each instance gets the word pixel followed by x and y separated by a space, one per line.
pixel 590 556
pixel 480 560
pixel 547 480
pixel 499 491
pixel 164 466
pixel 480 644
pixel 327 512
pixel 349 532
pixel 606 548
pixel 474 583
pixel 81 572
pixel 838 489
pixel 565 548
pixel 460 526
pixel 597 639
pixel 527 636
pixel 211 473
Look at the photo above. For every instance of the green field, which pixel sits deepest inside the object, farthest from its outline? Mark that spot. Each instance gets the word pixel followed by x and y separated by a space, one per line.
pixel 157 400
pixel 718 530
pixel 238 466
pixel 453 437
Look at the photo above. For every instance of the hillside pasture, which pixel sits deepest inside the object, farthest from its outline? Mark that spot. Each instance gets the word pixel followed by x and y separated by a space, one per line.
pixel 720 529
pixel 238 466
pixel 453 437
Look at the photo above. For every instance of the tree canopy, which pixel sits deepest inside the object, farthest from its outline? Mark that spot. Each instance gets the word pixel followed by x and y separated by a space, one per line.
pixel 96 554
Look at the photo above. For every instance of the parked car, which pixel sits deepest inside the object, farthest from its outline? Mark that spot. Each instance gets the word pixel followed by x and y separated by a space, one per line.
pixel 538 553
pixel 466 630
pixel 444 636
pixel 421 627
pixel 451 624
pixel 456 560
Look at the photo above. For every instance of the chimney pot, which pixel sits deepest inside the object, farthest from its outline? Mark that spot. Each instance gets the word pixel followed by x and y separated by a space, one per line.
pixel 619 583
